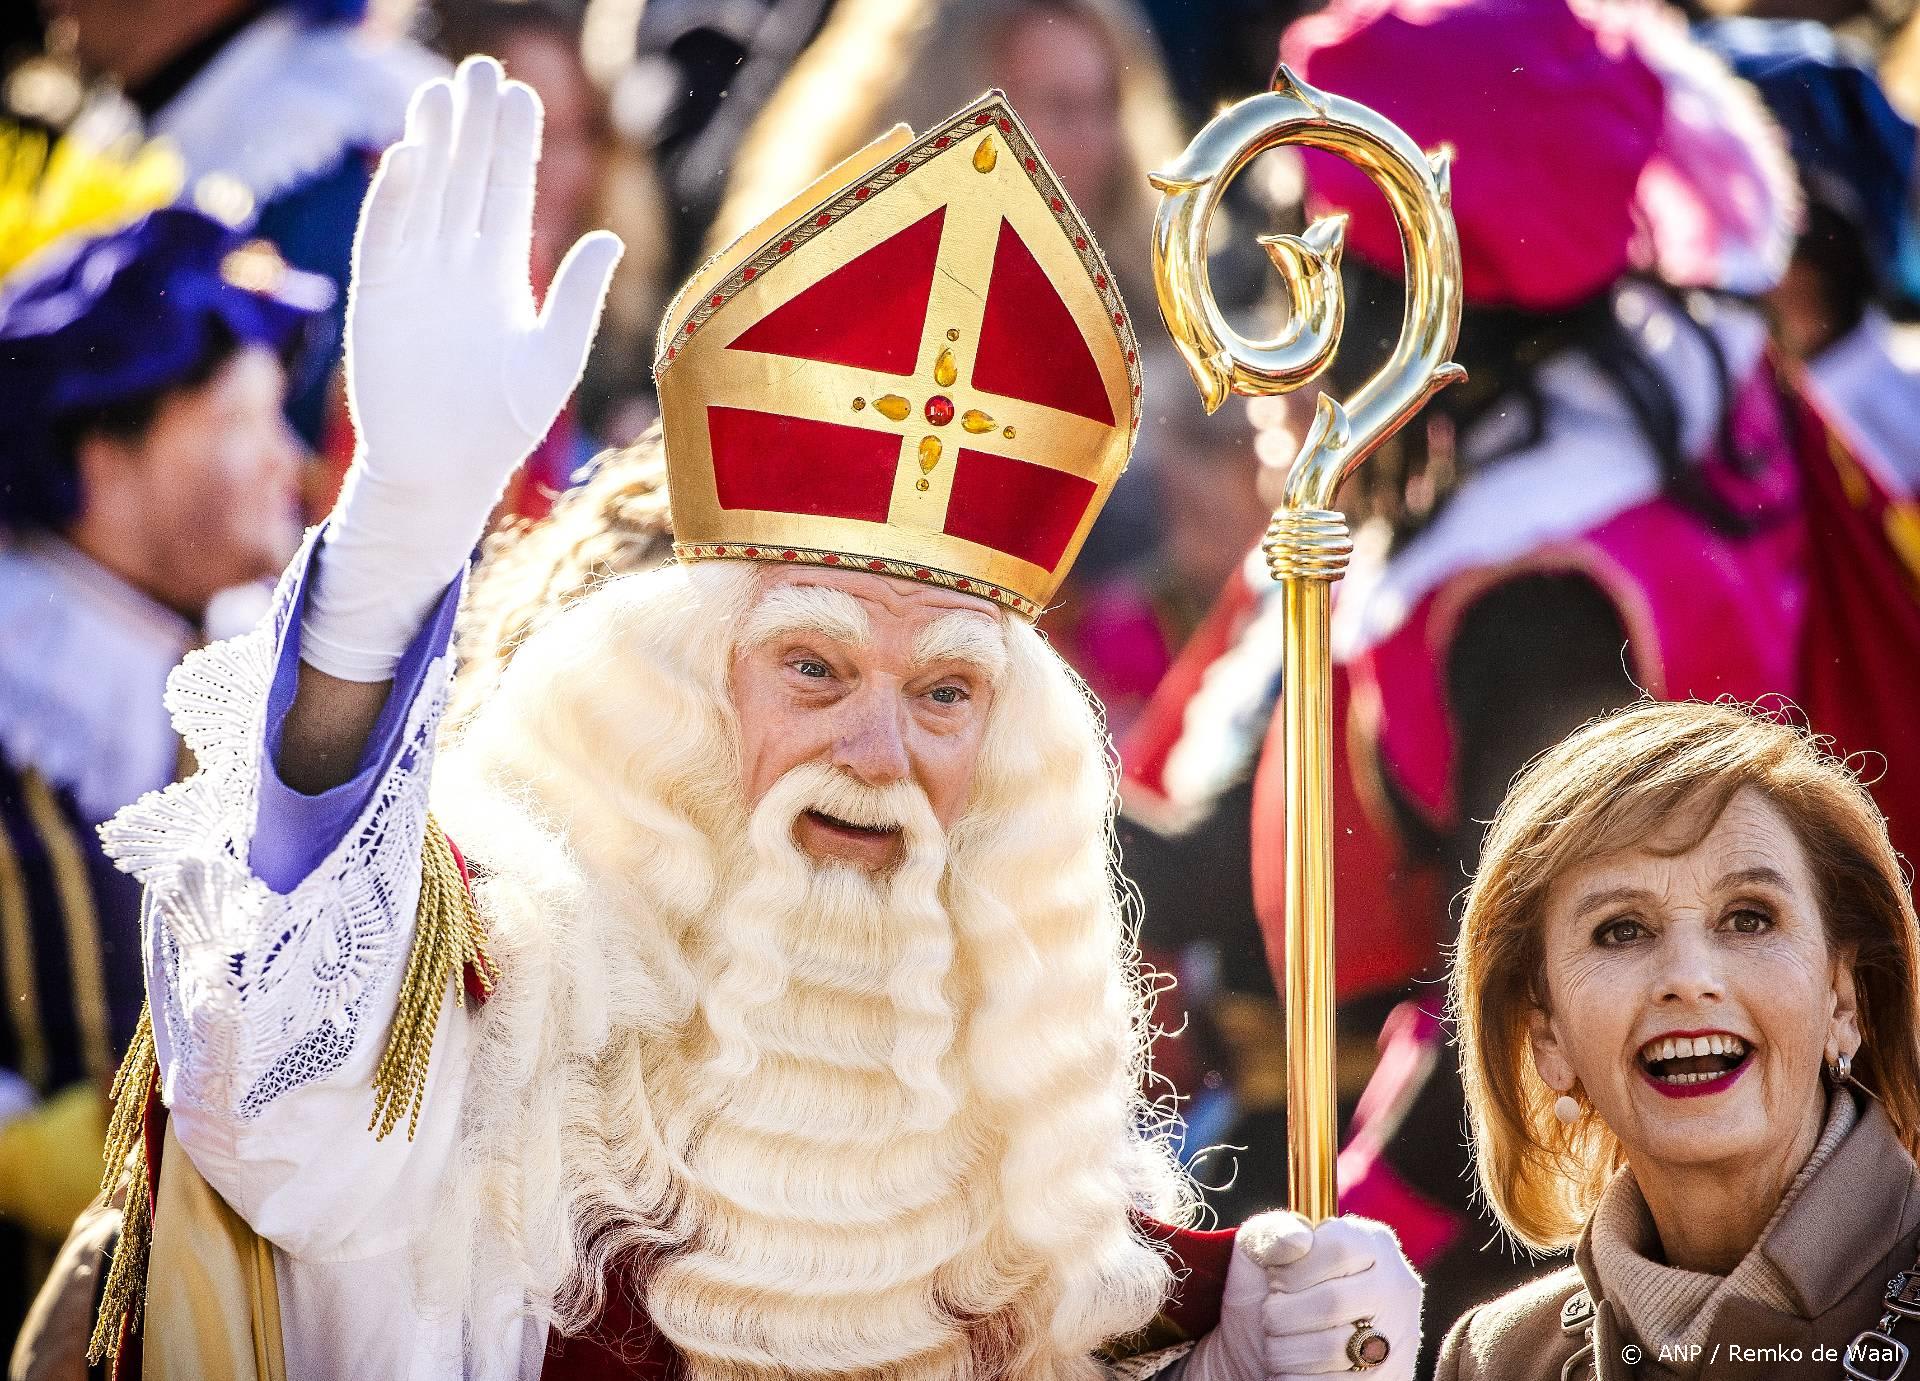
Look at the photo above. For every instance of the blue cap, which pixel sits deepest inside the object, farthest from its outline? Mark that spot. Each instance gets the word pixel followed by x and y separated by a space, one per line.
pixel 1855 152
pixel 330 11
pixel 94 322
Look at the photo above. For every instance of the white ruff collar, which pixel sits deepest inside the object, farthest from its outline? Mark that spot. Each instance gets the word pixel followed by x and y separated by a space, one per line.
pixel 84 659
pixel 283 101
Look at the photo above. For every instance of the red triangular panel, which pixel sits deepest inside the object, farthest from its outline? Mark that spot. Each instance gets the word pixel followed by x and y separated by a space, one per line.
pixel 1030 346
pixel 868 313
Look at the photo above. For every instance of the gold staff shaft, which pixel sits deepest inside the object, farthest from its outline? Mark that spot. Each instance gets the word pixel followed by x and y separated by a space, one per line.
pixel 1307 544
pixel 1311 1141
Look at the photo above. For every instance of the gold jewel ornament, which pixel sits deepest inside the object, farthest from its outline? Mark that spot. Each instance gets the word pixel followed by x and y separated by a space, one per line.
pixel 1367 1348
pixel 1307 545
pixel 920 366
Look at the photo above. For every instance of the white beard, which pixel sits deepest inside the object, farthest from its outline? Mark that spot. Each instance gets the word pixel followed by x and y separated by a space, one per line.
pixel 834 1191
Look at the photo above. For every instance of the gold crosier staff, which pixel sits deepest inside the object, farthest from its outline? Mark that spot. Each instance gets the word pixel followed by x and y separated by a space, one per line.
pixel 1307 544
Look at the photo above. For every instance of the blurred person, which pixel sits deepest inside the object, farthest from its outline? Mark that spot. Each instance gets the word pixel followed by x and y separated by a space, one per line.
pixel 803 1037
pixel 146 467
pixel 1625 495
pixel 1859 254
pixel 290 99
pixel 690 83
pixel 1689 1024
pixel 1125 628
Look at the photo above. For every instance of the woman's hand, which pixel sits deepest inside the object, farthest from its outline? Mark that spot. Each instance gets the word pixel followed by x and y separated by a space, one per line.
pixel 1294 1294
pixel 453 376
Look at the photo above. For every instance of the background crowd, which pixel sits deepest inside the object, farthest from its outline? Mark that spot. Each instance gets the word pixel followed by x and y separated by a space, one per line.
pixel 1685 465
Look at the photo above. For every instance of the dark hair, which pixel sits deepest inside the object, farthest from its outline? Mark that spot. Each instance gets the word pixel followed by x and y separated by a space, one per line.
pixel 56 500
pixel 1834 248
pixel 1503 349
pixel 464 27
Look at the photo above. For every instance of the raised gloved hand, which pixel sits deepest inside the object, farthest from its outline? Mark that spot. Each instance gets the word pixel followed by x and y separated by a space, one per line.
pixel 453 376
pixel 1295 1296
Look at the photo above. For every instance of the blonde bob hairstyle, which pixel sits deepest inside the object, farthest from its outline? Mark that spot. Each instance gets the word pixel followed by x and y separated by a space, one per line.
pixel 1613 785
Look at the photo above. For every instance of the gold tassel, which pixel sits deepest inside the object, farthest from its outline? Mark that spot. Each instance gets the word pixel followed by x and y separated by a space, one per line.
pixel 125 1160
pixel 447 940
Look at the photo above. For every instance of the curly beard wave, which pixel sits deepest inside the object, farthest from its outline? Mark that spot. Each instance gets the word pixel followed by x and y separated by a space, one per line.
pixel 840 1125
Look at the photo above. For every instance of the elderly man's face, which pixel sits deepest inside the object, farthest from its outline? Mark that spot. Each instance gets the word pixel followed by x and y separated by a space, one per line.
pixel 1694 996
pixel 888 681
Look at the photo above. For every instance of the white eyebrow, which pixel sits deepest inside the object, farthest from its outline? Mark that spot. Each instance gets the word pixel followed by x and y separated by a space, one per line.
pixel 963 637
pixel 807 609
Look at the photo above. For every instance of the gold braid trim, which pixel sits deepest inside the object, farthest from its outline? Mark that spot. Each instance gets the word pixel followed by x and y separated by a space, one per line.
pixel 448 939
pixel 125 1162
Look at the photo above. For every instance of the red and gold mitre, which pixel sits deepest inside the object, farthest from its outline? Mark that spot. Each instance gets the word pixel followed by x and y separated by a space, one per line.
pixel 920 366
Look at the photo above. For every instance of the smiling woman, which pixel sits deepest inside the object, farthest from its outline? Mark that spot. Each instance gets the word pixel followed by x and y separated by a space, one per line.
pixel 1685 989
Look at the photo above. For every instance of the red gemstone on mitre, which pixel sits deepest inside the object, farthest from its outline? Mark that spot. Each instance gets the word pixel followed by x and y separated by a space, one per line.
pixel 863 194
pixel 786 246
pixel 1057 204
pixel 748 272
pixel 788 555
pixel 982 118
pixel 1006 126
pixel 876 565
pixel 718 300
pixel 831 559
pixel 753 551
pixel 942 142
pixel 823 219
pixel 900 167
pixel 1032 165
pixel 939 410
pixel 921 573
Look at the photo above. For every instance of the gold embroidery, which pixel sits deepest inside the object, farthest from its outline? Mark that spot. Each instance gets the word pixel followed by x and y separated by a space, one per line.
pixel 447 939
pixel 81 918
pixel 20 991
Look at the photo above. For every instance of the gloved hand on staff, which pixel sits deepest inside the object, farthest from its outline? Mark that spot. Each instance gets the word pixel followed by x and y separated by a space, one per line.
pixel 1304 1301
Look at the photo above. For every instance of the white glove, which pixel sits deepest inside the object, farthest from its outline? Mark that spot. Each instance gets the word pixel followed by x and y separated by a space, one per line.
pixel 453 377
pixel 1294 1294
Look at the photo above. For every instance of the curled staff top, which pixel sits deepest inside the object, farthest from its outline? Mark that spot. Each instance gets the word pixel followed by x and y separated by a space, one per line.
pixel 1222 360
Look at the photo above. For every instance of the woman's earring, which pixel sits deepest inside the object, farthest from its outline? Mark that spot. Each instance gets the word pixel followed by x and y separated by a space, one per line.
pixel 1841 1070
pixel 1567 1109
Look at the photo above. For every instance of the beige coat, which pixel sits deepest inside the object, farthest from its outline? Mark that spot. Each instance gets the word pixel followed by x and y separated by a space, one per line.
pixel 1855 1224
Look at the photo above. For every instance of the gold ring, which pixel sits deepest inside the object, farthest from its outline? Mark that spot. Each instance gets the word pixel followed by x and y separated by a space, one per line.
pixel 1368 1347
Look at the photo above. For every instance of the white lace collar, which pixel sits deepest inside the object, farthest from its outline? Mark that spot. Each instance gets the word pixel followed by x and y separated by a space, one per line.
pixel 84 659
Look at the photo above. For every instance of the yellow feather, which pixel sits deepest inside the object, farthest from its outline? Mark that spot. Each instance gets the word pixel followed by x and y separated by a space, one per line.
pixel 50 190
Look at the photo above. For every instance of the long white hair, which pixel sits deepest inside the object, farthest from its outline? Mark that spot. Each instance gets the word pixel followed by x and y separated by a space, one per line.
pixel 971 1209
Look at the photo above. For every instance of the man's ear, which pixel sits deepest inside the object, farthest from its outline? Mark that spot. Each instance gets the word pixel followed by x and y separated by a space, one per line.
pixel 1843 1028
pixel 105 464
pixel 1549 1056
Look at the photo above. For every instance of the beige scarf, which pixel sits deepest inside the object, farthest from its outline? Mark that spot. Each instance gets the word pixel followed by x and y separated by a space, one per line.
pixel 1669 1307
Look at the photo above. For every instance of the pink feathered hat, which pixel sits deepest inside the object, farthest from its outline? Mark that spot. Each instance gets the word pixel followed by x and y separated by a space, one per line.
pixel 1584 147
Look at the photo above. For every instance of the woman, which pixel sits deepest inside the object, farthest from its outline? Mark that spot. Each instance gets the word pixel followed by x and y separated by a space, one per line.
pixel 1685 989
